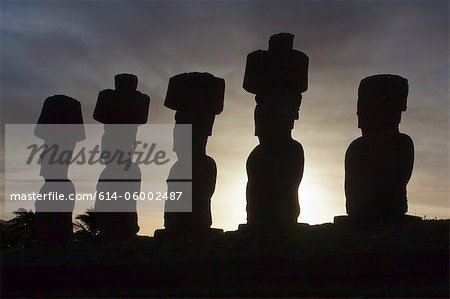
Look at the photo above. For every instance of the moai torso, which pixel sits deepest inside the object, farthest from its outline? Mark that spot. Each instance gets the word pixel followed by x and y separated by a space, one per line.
pixel 197 98
pixel 204 173
pixel 274 175
pixel 275 167
pixel 60 125
pixel 379 164
pixel 121 110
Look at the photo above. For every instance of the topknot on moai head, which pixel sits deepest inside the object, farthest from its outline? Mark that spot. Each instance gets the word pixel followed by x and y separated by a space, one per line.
pixel 125 105
pixel 196 91
pixel 125 82
pixel 281 42
pixel 197 98
pixel 279 70
pixel 65 112
pixel 381 99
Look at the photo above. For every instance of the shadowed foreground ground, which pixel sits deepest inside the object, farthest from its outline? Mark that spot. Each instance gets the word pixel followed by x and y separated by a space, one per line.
pixel 410 260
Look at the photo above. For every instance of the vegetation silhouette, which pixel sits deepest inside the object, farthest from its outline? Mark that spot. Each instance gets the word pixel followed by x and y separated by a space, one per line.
pixel 85 226
pixel 19 231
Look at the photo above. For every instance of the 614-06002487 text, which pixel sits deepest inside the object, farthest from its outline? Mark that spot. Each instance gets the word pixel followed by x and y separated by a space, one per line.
pixel 106 196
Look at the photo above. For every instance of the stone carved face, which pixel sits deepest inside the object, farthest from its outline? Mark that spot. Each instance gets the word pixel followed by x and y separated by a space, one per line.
pixel 272 118
pixel 117 140
pixel 202 120
pixel 56 159
pixel 381 100
pixel 376 112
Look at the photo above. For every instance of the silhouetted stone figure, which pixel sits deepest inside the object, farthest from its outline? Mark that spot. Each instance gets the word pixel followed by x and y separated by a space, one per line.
pixel 197 99
pixel 275 167
pixel 121 110
pixel 60 125
pixel 379 164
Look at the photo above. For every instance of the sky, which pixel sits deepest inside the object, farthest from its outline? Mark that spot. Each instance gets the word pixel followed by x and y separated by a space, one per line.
pixel 76 48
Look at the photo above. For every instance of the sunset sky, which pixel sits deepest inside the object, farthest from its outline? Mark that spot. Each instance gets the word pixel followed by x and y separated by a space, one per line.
pixel 76 48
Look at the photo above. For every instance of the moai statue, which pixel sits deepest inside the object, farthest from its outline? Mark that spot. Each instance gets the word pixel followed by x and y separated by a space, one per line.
pixel 197 99
pixel 275 167
pixel 60 125
pixel 121 111
pixel 379 164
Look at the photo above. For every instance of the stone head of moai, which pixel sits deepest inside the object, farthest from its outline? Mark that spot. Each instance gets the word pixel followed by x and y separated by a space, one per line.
pixel 124 105
pixel 381 101
pixel 277 77
pixel 60 125
pixel 60 110
pixel 197 99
